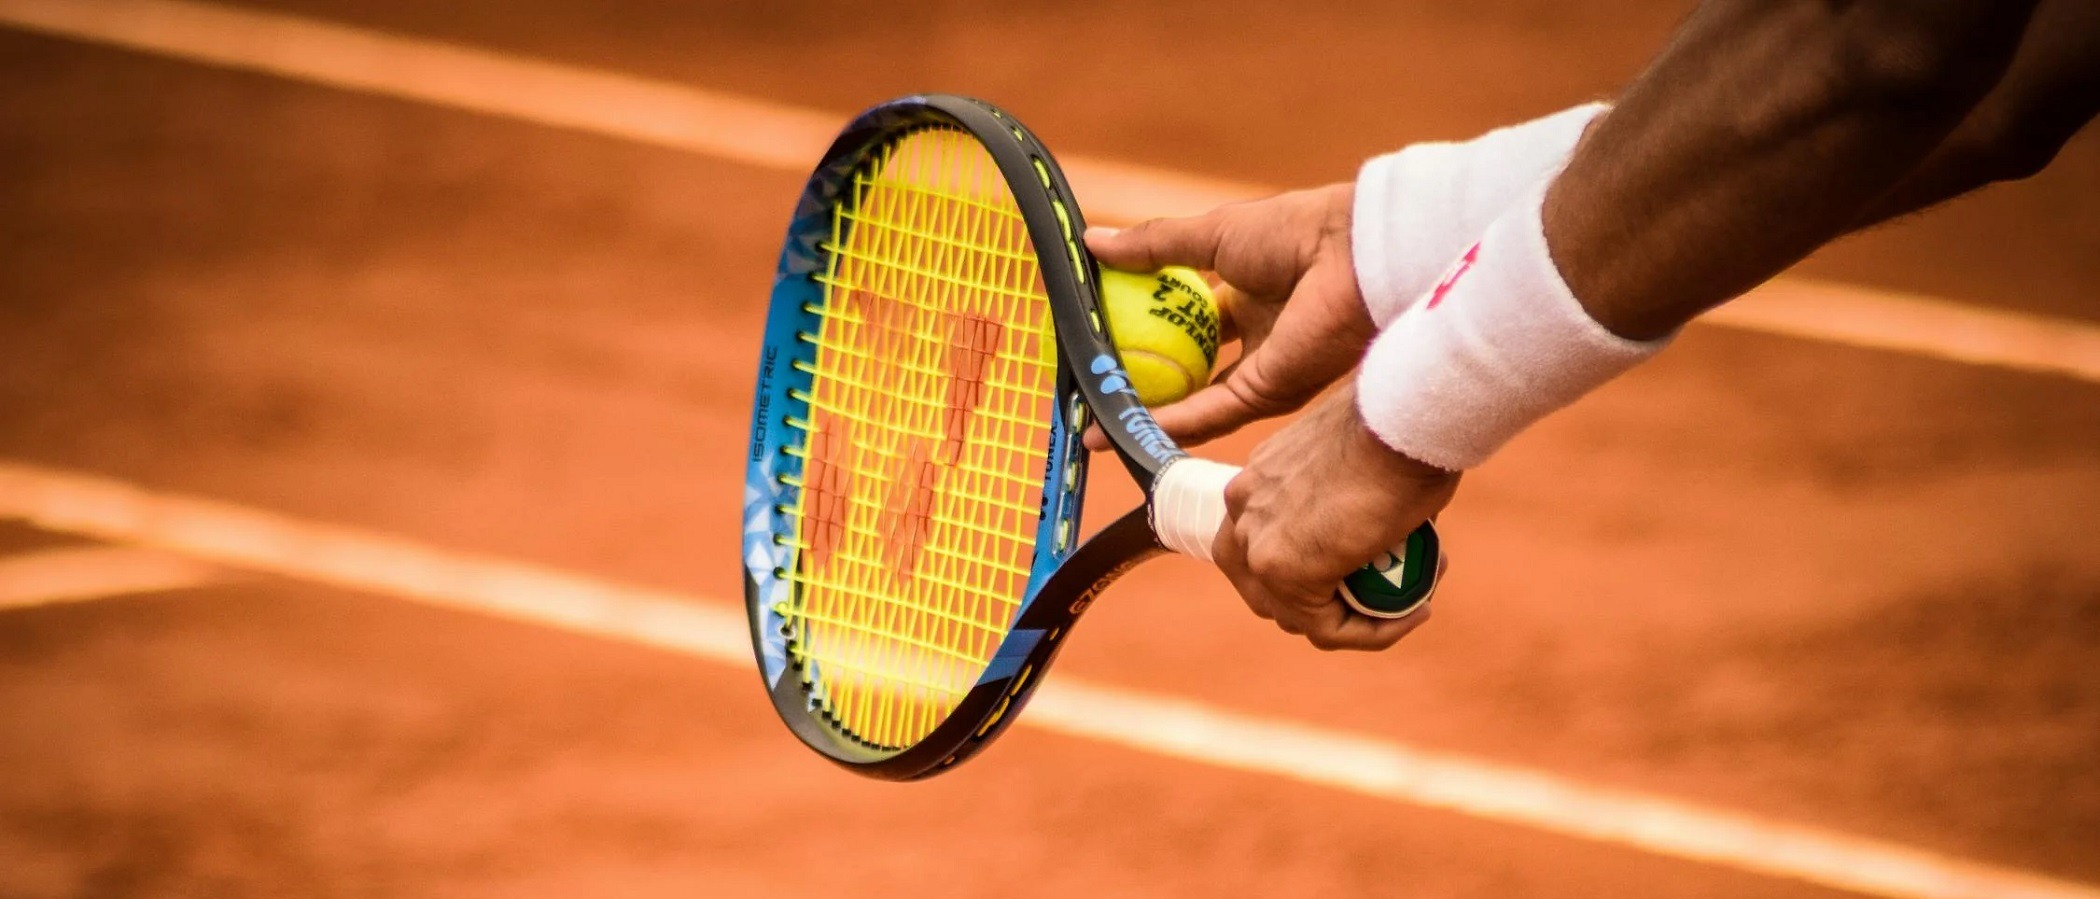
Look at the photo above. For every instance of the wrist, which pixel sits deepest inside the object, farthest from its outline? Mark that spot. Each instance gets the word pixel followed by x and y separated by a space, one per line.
pixel 1372 454
pixel 1500 343
pixel 1584 263
pixel 1413 211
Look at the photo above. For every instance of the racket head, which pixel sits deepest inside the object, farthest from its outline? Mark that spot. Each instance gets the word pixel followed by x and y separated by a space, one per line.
pixel 914 478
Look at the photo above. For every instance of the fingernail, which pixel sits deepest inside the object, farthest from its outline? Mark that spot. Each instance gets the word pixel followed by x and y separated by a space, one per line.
pixel 1101 232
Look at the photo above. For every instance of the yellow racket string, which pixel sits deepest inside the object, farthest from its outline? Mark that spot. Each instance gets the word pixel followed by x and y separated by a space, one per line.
pixel 925 444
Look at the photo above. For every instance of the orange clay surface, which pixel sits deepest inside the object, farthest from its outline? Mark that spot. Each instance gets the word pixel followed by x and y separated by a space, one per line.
pixel 1826 585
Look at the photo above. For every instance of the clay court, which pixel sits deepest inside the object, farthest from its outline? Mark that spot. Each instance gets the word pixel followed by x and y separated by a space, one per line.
pixel 375 376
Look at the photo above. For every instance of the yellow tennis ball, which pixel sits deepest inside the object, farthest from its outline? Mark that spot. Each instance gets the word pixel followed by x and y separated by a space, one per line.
pixel 1166 326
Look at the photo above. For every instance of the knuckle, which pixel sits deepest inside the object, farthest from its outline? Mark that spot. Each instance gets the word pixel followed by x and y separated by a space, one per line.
pixel 1261 393
pixel 1141 231
pixel 1266 562
pixel 1143 241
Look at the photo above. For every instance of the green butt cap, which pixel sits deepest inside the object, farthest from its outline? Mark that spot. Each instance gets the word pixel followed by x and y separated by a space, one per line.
pixel 1399 583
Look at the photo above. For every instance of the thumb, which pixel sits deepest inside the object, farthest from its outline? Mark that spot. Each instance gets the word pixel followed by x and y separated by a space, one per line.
pixel 1198 418
pixel 1226 405
pixel 1232 309
pixel 1205 415
pixel 1246 394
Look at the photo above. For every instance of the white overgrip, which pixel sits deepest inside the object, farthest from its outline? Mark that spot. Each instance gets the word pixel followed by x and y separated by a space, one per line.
pixel 1188 505
pixel 1188 508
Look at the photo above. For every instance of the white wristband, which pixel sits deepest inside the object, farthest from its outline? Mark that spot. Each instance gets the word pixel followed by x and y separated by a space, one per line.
pixel 1500 343
pixel 1417 209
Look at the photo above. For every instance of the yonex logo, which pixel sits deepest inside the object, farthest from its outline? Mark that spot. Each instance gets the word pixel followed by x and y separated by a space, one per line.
pixel 1148 433
pixel 1113 380
pixel 1391 566
pixel 1136 421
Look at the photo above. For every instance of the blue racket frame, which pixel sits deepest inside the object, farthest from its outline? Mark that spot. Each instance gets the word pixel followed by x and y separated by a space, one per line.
pixel 1063 579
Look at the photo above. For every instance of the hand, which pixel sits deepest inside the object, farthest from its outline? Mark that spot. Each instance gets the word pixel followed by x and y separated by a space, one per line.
pixel 1317 501
pixel 1290 286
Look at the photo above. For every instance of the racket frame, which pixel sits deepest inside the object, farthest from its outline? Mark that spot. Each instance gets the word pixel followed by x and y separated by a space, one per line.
pixel 1091 385
pixel 1063 579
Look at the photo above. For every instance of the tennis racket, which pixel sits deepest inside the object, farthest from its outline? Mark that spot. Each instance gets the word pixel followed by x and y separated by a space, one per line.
pixel 933 350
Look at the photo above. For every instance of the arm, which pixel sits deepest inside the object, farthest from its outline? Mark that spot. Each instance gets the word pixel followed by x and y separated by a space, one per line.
pixel 2051 91
pixel 1763 131
pixel 1305 306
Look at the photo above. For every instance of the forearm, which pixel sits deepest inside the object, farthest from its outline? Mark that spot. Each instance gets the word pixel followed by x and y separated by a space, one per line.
pixel 2051 90
pixel 1762 132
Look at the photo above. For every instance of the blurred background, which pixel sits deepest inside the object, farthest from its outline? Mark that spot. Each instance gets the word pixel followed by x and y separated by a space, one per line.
pixel 483 282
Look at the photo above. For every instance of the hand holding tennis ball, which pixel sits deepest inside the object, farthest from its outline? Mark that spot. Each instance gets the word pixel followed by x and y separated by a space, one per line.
pixel 1166 326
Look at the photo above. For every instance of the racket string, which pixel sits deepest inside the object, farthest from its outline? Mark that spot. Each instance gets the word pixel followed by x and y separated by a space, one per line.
pixel 945 279
pixel 973 557
pixel 974 527
pixel 925 444
pixel 933 237
pixel 1021 388
pixel 1002 210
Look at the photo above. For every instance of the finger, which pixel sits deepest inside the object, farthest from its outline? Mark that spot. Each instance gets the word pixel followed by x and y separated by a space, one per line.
pixel 1339 629
pixel 1381 633
pixel 1229 299
pixel 1094 440
pixel 1148 246
pixel 1244 395
pixel 1310 600
pixel 1228 331
pixel 1275 376
pixel 1230 555
pixel 1332 283
pixel 1291 620
pixel 1205 415
pixel 1191 420
pixel 1260 610
pixel 1196 419
pixel 1328 632
pixel 1290 614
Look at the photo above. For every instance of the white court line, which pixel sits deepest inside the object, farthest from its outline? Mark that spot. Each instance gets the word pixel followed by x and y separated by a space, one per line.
pixel 79 573
pixel 781 137
pixel 778 136
pixel 263 541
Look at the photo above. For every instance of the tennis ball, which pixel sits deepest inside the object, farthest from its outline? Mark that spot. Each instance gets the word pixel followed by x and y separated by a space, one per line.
pixel 1165 324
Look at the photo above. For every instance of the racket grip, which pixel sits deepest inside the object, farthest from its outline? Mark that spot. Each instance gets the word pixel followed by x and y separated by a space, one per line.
pixel 1188 509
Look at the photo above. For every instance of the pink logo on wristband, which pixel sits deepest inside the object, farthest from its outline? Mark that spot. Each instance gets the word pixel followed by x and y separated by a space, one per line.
pixel 1451 277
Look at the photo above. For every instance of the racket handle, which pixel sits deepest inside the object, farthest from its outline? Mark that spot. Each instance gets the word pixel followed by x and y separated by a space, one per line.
pixel 1188 508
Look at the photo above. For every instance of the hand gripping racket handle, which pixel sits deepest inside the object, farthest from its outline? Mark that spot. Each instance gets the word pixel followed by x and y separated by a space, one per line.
pixel 1188 508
